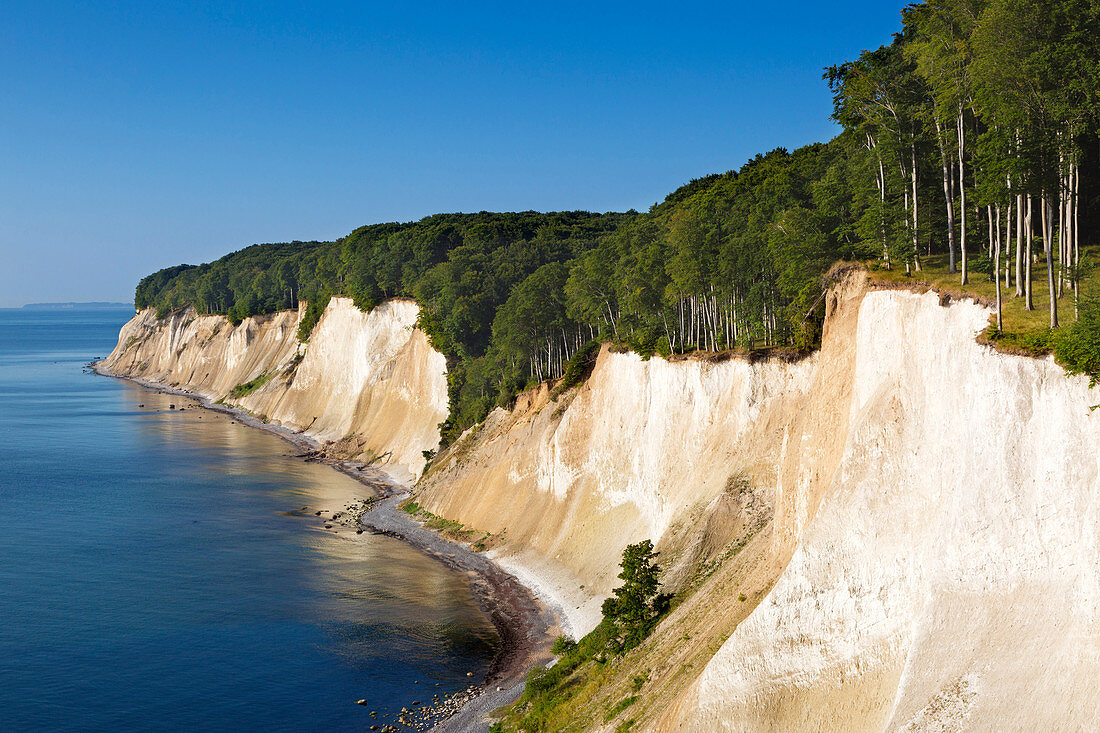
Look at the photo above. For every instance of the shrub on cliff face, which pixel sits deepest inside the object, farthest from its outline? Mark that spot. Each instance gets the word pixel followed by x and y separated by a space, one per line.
pixel 247 388
pixel 638 604
pixel 551 693
pixel 1077 347
pixel 578 368
pixel 562 645
pixel 314 309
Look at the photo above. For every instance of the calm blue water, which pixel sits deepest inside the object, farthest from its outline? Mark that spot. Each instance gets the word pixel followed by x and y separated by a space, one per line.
pixel 155 573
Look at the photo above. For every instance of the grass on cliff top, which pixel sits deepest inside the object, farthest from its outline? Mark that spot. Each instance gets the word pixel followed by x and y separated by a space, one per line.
pixel 1024 331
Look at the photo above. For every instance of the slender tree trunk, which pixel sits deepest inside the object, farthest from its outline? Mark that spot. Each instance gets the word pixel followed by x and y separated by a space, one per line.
pixel 949 198
pixel 1067 231
pixel 1019 245
pixel 1048 247
pixel 989 239
pixel 692 337
pixel 1076 239
pixel 1029 304
pixel 905 208
pixel 715 321
pixel 1061 227
pixel 962 202
pixel 916 220
pixel 680 315
pixel 882 208
pixel 997 272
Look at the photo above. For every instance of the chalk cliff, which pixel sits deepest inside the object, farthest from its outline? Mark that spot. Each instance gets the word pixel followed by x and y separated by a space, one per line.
pixel 369 383
pixel 899 532
pixel 908 519
pixel 948 578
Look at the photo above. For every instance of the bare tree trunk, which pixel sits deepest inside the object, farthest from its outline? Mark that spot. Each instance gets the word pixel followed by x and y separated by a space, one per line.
pixel 1061 226
pixel 1076 239
pixel 989 238
pixel 691 325
pixel 882 209
pixel 994 274
pixel 949 198
pixel 1048 246
pixel 1019 244
pixel 1068 231
pixel 962 201
pixel 997 272
pixel 680 313
pixel 916 220
pixel 1029 304
pixel 715 320
pixel 905 208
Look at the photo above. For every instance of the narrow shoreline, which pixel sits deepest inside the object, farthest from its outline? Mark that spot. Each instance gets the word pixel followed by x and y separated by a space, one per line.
pixel 524 623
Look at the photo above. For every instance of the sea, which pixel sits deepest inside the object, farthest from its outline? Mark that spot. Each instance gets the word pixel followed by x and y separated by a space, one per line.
pixel 165 570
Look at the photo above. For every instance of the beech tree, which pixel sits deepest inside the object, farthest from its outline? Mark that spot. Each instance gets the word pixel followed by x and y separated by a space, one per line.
pixel 940 48
pixel 880 95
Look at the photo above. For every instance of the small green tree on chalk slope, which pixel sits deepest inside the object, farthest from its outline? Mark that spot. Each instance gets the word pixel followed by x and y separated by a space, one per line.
pixel 638 604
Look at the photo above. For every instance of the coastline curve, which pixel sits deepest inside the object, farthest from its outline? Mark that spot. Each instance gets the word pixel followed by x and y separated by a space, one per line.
pixel 525 621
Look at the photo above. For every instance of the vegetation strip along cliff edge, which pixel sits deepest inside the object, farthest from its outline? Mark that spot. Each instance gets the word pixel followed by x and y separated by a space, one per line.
pixel 970 138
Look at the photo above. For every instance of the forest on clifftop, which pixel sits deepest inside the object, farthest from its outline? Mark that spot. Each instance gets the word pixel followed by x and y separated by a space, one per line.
pixel 969 153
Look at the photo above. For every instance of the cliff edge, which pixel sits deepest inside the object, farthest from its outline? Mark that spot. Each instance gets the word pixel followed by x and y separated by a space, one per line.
pixel 367 386
pixel 898 532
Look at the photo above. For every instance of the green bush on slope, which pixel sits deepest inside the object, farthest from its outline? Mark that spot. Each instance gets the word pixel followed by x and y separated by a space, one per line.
pixel 628 617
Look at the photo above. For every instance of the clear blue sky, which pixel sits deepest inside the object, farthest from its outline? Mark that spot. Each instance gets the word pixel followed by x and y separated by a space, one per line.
pixel 137 135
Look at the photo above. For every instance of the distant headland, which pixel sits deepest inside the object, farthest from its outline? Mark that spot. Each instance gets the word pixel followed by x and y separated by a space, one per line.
pixel 73 306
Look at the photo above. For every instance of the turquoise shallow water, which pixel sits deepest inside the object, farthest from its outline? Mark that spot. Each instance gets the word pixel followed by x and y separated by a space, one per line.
pixel 156 574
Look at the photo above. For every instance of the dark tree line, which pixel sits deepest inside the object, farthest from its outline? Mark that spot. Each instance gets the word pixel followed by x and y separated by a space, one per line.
pixel 973 134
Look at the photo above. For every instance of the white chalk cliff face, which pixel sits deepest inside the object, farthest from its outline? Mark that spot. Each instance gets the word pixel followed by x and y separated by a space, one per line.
pixel 642 444
pixel 936 526
pixel 927 510
pixel 368 381
pixel 950 578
